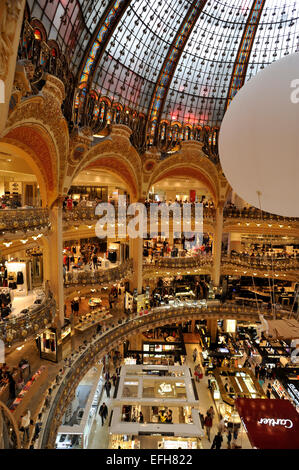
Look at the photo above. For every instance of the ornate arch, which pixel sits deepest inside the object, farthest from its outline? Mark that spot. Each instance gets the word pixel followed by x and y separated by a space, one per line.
pixel 115 154
pixel 38 127
pixel 189 161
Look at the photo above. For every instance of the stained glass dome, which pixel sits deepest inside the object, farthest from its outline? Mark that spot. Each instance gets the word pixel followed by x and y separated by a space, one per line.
pixel 178 60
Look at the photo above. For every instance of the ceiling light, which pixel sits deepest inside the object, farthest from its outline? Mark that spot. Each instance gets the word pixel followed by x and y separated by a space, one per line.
pixel 7 244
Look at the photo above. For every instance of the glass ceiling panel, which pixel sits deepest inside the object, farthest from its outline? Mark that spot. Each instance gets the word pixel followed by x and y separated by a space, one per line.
pixel 137 49
pixel 277 34
pixel 70 23
pixel 131 63
pixel 200 84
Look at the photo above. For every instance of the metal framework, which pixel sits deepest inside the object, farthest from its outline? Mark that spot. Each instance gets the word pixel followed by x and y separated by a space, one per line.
pixel 101 37
pixel 245 48
pixel 170 63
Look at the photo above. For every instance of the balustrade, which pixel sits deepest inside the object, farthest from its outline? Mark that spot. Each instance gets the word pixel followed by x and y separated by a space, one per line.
pixel 23 220
pixel 18 328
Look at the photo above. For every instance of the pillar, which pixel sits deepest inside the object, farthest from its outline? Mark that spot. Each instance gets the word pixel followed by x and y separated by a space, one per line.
pixel 234 242
pixel 212 327
pixel 136 254
pixel 53 261
pixel 217 245
pixel 11 19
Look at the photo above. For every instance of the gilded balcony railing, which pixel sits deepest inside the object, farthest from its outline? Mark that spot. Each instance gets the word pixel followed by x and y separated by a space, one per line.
pixel 255 214
pixel 262 262
pixel 113 337
pixel 16 329
pixel 24 220
pixel 190 262
pixel 99 276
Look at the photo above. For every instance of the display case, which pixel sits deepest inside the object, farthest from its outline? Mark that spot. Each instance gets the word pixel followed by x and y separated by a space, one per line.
pixel 124 441
pixel 279 390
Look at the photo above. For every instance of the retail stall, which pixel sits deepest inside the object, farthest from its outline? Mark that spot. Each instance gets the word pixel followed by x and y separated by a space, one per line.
pixel 286 384
pixel 273 352
pixel 229 384
pixel 155 401
pixel 29 390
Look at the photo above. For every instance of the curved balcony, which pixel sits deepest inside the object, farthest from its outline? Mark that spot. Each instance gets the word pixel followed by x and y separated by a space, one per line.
pixel 112 338
pixel 24 220
pixel 190 265
pixel 255 214
pixel 23 326
pixel 264 263
pixel 99 276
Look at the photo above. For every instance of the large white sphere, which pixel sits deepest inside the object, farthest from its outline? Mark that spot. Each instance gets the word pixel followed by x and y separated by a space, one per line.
pixel 259 139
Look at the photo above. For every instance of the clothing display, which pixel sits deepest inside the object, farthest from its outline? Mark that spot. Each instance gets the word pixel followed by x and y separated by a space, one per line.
pixel 112 256
pixel 20 277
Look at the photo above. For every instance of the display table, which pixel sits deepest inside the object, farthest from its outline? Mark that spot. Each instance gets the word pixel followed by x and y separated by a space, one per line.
pixel 94 302
pixel 21 403
pixel 92 320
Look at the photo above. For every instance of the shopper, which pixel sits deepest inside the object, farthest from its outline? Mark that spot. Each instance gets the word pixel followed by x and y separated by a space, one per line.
pixel 103 412
pixel 208 424
pixel 141 419
pixel 108 388
pixel 12 386
pixel 25 424
pixel 114 378
pixel 269 389
pixel 37 427
pixel 217 441
pixel 229 439
pixel 194 355
pixel 221 425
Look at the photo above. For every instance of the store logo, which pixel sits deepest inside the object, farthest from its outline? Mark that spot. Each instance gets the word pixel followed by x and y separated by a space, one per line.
pixel 2 352
pixel 287 423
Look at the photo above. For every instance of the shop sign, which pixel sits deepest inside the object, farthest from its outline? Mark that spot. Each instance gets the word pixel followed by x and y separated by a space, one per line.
pixel 287 423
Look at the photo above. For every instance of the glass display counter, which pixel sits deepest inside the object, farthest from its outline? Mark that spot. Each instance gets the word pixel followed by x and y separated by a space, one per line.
pixel 118 441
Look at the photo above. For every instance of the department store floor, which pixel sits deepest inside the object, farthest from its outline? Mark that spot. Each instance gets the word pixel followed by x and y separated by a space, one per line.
pixel 99 435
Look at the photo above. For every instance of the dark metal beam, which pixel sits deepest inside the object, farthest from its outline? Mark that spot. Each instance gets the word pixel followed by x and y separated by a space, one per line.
pixel 171 61
pixel 245 48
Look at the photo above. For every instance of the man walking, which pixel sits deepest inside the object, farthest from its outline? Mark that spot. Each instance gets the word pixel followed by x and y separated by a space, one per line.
pixel 108 388
pixel 103 412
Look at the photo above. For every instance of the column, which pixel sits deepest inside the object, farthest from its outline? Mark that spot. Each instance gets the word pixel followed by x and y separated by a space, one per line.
pixel 136 253
pixel 11 19
pixel 212 327
pixel 53 261
pixel 217 246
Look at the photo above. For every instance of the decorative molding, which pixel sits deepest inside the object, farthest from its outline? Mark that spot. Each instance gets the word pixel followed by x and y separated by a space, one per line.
pixel 9 14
